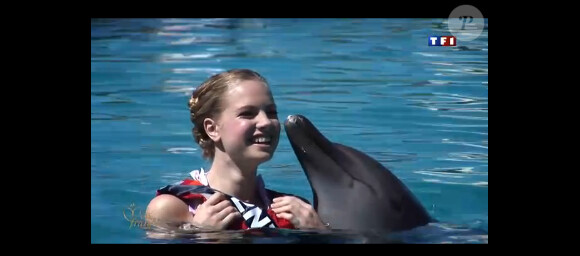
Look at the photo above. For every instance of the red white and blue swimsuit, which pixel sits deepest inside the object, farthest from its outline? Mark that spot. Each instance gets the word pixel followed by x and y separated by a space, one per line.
pixel 192 190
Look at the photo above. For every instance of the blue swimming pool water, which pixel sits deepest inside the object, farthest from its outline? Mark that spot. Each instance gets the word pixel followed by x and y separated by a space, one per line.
pixel 373 84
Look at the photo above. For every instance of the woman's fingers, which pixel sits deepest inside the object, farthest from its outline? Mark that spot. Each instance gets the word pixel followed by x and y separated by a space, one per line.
pixel 231 217
pixel 225 212
pixel 280 209
pixel 215 199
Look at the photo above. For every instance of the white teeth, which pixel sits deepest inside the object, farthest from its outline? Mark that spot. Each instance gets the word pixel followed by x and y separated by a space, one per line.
pixel 262 140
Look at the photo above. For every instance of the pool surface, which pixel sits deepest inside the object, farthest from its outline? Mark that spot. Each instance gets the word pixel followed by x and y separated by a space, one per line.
pixel 372 84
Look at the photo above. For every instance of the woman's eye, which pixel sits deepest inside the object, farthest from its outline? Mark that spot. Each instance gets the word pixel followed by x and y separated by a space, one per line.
pixel 246 113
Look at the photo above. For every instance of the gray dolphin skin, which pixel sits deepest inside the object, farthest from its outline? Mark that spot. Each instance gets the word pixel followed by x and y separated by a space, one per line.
pixel 351 190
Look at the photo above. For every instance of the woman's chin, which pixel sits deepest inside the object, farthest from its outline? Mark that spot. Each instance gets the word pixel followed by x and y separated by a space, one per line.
pixel 260 156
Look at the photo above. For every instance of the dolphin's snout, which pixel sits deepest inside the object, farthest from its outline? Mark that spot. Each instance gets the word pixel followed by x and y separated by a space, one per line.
pixel 293 119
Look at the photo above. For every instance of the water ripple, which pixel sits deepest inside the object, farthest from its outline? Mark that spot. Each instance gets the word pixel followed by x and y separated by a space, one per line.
pixel 454 173
pixel 463 143
pixel 211 71
pixel 323 101
pixel 452 125
pixel 182 150
pixel 178 57
pixel 390 157
pixel 457 103
pixel 477 184
pixel 318 91
pixel 465 117
pixel 105 116
pixel 350 81
pixel 185 90
pixel 282 166
pixel 104 92
pixel 115 117
pixel 470 156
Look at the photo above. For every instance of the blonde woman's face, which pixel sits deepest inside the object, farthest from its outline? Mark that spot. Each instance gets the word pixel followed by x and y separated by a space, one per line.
pixel 249 128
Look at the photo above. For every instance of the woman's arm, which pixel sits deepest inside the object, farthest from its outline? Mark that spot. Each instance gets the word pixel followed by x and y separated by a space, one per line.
pixel 168 212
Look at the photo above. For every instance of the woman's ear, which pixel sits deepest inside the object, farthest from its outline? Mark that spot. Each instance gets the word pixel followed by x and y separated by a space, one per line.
pixel 211 129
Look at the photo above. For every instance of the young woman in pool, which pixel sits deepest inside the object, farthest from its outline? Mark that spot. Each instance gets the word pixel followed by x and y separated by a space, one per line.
pixel 236 125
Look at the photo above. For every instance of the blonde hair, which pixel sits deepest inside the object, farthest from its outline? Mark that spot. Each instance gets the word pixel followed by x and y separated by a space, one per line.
pixel 205 102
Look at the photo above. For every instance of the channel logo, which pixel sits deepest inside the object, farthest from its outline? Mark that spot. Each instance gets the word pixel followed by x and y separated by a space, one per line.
pixel 442 41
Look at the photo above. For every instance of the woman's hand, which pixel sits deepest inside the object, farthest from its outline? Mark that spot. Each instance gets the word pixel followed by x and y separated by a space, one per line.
pixel 215 213
pixel 301 214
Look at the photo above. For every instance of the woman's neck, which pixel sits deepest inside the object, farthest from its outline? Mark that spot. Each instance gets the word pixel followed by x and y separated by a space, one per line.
pixel 228 177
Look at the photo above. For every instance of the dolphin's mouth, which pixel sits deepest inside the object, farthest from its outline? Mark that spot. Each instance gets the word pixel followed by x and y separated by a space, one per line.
pixel 304 136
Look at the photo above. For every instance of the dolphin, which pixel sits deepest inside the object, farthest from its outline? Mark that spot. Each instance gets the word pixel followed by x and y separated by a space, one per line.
pixel 352 191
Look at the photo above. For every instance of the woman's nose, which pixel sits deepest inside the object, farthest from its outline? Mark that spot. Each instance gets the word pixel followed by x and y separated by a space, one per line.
pixel 263 120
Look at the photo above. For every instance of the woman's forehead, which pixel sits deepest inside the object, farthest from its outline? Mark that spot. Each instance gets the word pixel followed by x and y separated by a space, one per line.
pixel 248 86
pixel 249 92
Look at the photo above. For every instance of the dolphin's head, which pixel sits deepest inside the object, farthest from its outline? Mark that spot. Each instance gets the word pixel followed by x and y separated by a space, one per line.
pixel 351 190
pixel 316 156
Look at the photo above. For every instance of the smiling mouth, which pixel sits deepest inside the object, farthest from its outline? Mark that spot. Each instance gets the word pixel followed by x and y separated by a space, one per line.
pixel 262 140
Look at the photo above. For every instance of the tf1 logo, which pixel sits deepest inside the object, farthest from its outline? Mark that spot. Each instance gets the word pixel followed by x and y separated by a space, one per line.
pixel 442 41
